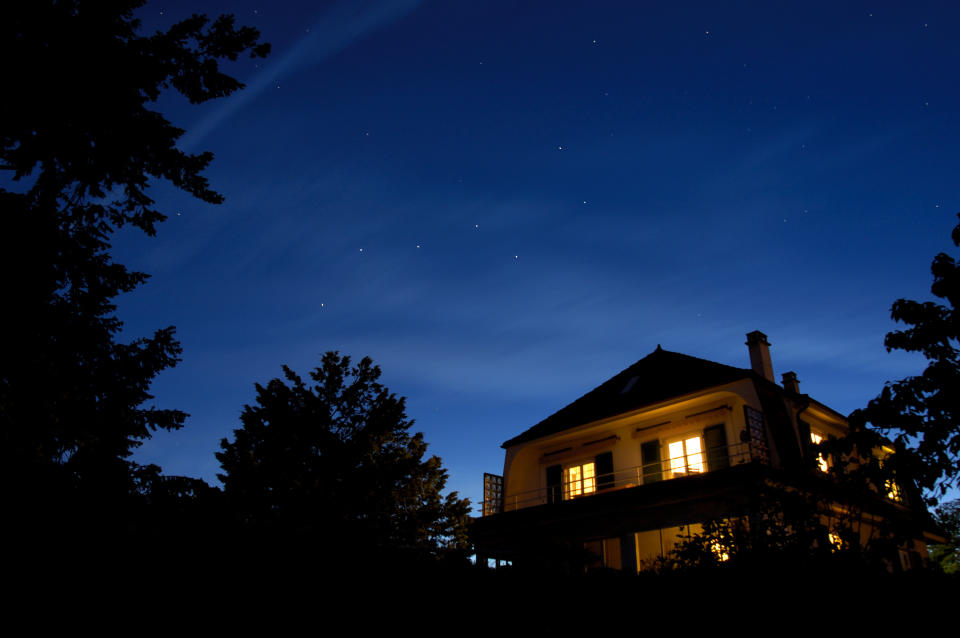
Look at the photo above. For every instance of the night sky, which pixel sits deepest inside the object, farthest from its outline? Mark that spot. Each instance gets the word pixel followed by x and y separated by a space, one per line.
pixel 506 203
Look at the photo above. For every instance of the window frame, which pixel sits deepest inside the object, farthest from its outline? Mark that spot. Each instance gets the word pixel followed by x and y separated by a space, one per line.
pixel 683 440
pixel 587 485
pixel 816 438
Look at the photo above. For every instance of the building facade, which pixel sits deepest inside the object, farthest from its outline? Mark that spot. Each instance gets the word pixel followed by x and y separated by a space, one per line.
pixel 621 475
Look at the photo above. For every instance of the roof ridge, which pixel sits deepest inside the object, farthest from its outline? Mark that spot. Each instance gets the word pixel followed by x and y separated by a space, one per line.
pixel 677 374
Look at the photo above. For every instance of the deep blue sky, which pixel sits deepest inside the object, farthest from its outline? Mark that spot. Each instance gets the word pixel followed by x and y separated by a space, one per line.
pixel 506 203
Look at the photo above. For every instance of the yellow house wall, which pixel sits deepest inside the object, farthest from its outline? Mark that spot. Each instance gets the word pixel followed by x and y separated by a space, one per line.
pixel 525 464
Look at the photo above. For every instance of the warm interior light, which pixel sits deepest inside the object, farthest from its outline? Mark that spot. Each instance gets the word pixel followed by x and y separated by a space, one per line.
pixel 589 484
pixel 821 462
pixel 835 540
pixel 893 491
pixel 686 456
pixel 719 551
pixel 677 462
pixel 694 456
pixel 581 480
pixel 573 479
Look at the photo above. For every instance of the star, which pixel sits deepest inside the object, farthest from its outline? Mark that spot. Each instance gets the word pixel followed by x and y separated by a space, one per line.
pixel 361 250
pixel 559 148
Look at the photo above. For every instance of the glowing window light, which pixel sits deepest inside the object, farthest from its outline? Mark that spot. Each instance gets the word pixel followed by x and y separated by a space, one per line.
pixel 581 479
pixel 893 491
pixel 835 541
pixel 686 456
pixel 719 551
pixel 694 455
pixel 821 461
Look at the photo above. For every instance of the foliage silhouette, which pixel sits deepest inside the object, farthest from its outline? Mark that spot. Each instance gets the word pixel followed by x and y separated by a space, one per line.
pixel 922 413
pixel 947 555
pixel 334 463
pixel 82 146
pixel 811 519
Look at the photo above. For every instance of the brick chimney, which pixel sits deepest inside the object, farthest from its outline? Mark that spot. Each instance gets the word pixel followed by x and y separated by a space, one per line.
pixel 791 383
pixel 760 354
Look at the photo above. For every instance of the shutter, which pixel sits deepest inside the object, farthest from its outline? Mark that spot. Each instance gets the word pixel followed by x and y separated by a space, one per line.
pixel 554 483
pixel 715 440
pixel 650 458
pixel 604 469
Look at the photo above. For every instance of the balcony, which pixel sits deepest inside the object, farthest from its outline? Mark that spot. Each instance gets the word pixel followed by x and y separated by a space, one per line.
pixel 585 483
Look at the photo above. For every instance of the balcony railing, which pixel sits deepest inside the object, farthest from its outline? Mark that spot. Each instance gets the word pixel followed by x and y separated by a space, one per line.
pixel 665 469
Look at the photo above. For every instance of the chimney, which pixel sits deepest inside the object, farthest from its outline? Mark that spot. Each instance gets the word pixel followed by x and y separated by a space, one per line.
pixel 791 383
pixel 760 354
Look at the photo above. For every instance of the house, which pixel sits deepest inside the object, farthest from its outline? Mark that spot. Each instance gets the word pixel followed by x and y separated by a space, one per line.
pixel 623 473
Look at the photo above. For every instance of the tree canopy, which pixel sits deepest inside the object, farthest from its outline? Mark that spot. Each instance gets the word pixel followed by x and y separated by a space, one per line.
pixel 922 413
pixel 334 459
pixel 80 145
pixel 947 556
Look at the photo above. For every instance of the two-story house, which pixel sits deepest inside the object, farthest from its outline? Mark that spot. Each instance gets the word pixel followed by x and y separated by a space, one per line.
pixel 672 441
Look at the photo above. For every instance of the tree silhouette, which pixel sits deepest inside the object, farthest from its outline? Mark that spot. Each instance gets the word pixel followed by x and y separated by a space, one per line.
pixel 922 413
pixel 81 146
pixel 947 556
pixel 334 462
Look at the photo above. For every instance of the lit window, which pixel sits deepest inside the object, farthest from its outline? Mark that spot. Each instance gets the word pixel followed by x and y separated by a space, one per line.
pixel 836 541
pixel 720 551
pixel 686 456
pixel 893 491
pixel 821 461
pixel 581 479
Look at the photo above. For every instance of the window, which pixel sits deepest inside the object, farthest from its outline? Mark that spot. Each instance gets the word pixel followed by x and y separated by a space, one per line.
pixel 816 438
pixel 580 480
pixel 686 456
pixel 836 541
pixel 720 551
pixel 893 490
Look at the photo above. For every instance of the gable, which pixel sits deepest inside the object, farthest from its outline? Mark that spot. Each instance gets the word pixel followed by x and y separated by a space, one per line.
pixel 659 376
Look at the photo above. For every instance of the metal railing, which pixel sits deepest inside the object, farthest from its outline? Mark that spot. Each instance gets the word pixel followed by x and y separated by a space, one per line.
pixel 662 470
